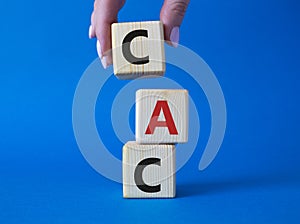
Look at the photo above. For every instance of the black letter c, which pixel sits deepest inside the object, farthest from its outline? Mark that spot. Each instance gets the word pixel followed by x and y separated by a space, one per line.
pixel 138 175
pixel 126 47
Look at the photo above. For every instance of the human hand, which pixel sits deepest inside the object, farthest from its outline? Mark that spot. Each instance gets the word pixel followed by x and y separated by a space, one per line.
pixel 106 12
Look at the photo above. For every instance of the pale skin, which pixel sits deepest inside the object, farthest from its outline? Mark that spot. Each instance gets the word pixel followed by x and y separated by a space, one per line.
pixel 106 12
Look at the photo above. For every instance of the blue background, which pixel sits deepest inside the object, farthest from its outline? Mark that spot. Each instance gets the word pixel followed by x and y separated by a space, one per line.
pixel 253 48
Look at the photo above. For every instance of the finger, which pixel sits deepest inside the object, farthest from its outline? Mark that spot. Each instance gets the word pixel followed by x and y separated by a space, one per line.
pixel 92 33
pixel 103 34
pixel 171 15
pixel 105 13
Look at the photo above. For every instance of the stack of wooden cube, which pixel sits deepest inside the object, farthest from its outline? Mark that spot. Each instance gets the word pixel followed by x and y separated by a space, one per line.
pixel 161 114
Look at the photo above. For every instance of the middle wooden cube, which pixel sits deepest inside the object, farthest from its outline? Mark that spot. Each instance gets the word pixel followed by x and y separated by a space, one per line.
pixel 161 116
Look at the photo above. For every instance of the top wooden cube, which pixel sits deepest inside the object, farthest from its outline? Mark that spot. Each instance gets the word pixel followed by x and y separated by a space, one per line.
pixel 138 49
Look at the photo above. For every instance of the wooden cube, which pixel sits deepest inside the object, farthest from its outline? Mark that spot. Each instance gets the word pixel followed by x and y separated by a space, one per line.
pixel 148 171
pixel 138 49
pixel 161 116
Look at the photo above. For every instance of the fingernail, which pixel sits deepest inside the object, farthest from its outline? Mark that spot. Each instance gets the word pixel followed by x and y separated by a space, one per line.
pixel 99 49
pixel 174 36
pixel 106 61
pixel 90 31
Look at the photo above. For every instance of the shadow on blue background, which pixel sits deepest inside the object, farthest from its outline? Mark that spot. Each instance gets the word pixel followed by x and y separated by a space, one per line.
pixel 253 48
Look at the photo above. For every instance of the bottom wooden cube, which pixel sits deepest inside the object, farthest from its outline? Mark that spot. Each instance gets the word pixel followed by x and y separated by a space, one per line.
pixel 149 171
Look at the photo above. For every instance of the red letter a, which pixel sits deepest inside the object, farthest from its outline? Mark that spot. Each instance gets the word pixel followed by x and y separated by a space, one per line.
pixel 169 122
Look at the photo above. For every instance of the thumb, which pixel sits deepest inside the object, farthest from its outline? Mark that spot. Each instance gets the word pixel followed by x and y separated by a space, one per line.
pixel 171 15
pixel 105 13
